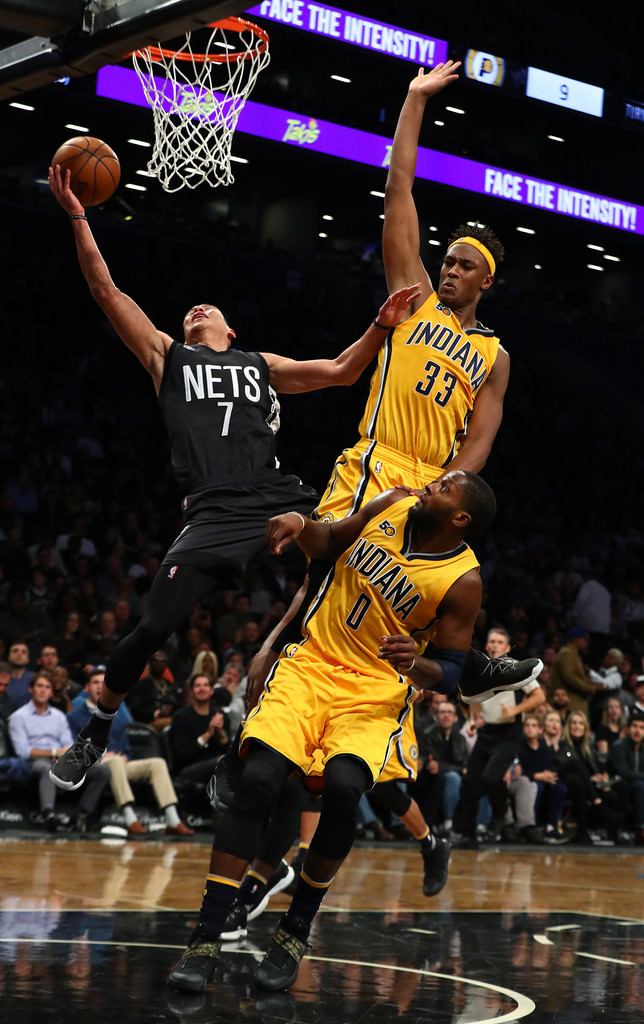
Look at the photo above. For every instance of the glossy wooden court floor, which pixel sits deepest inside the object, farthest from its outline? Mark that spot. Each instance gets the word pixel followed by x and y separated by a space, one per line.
pixel 89 930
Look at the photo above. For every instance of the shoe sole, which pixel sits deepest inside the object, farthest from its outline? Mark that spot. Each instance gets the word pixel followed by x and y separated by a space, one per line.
pixel 272 985
pixel 236 933
pixel 183 985
pixel 278 887
pixel 478 698
pixel 69 786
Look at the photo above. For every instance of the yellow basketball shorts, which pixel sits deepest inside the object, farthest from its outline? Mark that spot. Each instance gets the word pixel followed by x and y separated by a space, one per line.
pixel 403 759
pixel 312 710
pixel 368 469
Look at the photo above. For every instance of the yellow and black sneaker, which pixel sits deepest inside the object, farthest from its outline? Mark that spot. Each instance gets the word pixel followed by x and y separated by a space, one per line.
pixel 278 970
pixel 198 962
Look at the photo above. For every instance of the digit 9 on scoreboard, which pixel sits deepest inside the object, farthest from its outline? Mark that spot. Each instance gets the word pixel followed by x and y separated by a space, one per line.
pixel 565 92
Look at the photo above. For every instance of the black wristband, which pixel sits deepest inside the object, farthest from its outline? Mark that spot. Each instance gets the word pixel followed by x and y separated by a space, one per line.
pixel 77 216
pixel 383 327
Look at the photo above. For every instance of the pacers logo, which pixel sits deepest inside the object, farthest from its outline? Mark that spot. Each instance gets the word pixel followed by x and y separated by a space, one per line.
pixel 484 67
pixel 387 528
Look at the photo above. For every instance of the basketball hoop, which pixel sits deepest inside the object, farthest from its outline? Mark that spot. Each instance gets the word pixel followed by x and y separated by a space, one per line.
pixel 196 100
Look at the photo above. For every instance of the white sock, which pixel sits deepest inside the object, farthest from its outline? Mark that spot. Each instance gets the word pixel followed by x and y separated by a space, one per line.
pixel 127 810
pixel 171 816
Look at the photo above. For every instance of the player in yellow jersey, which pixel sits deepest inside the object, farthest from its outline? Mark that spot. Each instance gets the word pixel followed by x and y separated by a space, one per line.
pixel 400 567
pixel 435 404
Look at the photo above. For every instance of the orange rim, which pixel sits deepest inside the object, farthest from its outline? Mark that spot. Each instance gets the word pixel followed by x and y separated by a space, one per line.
pixel 231 25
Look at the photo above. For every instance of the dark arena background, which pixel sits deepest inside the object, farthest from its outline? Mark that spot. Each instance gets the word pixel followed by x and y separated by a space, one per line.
pixel 542 139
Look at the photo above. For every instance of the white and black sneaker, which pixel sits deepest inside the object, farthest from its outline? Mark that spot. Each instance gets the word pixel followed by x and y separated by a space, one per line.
pixel 236 922
pixel 484 677
pixel 279 880
pixel 69 770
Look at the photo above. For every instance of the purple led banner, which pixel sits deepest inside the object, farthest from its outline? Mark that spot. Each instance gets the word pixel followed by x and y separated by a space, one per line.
pixel 367 148
pixel 354 28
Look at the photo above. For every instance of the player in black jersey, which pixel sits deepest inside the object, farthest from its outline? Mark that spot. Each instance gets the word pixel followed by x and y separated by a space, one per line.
pixel 217 403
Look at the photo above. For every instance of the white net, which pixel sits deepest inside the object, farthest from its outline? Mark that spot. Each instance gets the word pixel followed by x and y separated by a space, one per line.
pixel 196 100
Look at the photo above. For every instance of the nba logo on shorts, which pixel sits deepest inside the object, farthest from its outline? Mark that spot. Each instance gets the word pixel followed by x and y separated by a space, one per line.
pixel 378 467
pixel 172 572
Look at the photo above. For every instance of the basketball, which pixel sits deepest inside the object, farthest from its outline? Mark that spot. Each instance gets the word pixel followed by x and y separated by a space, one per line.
pixel 95 169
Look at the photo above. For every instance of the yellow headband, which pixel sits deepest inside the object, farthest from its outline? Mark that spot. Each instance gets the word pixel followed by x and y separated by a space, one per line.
pixel 485 252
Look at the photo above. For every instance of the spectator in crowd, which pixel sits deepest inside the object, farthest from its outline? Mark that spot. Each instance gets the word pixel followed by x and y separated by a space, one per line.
pixel 21 674
pixel 206 663
pixel 124 771
pixel 637 707
pixel 591 609
pixel 442 755
pixel 609 678
pixel 197 735
pixel 7 702
pixel 22 620
pixel 611 728
pixel 537 764
pixel 72 642
pixel 103 642
pixel 560 702
pixel 523 791
pixel 249 642
pixel 230 623
pixel 60 693
pixel 601 798
pixel 627 761
pixel 47 659
pixel 569 671
pixel 40 734
pixel 495 749
pixel 232 679
pixel 153 699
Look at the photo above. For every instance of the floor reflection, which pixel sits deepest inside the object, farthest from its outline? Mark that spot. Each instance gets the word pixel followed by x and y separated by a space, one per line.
pixel 57 964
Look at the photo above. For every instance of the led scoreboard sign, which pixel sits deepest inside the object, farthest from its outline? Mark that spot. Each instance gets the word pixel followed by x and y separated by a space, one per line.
pixel 306 132
pixel 565 92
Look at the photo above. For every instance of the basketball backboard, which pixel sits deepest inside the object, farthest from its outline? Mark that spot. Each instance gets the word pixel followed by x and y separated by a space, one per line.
pixel 80 36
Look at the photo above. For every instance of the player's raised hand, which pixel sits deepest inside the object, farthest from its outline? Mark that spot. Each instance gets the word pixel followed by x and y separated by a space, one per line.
pixel 396 308
pixel 428 84
pixel 60 187
pixel 282 530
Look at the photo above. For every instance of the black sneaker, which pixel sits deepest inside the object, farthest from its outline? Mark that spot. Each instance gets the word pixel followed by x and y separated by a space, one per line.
pixel 436 862
pixel 531 834
pixel 198 961
pixel 70 769
pixel 278 970
pixel 279 880
pixel 556 836
pixel 235 926
pixel 484 677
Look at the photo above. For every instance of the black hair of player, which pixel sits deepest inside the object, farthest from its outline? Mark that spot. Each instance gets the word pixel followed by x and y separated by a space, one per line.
pixel 479 501
pixel 482 234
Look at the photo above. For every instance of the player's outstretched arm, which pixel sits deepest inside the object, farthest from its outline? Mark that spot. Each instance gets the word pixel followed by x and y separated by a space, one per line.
pixel 129 321
pixel 328 540
pixel 294 376
pixel 401 233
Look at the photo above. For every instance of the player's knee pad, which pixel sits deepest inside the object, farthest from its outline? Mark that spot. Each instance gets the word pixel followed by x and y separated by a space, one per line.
pixel 391 797
pixel 345 780
pixel 263 775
